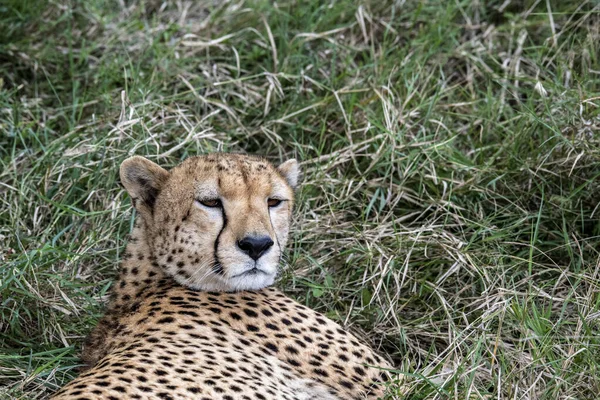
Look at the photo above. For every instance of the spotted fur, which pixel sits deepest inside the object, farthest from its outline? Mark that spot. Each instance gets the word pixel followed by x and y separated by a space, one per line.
pixel 162 338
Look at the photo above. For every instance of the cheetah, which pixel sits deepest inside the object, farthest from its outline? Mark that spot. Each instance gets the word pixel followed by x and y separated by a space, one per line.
pixel 192 314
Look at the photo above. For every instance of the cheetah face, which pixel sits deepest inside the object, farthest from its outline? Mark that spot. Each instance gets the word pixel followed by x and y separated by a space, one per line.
pixel 217 222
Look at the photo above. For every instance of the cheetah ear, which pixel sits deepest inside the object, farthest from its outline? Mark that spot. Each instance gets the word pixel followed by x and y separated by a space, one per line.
pixel 143 180
pixel 290 171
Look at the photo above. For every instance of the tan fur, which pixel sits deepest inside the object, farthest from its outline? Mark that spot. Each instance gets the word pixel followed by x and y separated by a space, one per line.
pixel 182 233
pixel 161 340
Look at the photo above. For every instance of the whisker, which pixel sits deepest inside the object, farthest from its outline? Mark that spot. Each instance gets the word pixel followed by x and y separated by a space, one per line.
pixel 205 268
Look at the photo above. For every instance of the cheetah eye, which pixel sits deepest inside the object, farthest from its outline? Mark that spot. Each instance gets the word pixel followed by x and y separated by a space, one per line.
pixel 274 202
pixel 211 203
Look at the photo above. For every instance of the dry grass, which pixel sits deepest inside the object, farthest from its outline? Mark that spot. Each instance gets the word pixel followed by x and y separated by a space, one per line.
pixel 449 211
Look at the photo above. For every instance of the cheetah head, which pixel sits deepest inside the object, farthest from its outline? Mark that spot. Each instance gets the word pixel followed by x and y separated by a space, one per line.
pixel 217 222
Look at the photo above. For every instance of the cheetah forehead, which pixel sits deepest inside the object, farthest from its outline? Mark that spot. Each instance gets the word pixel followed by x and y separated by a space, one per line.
pixel 229 175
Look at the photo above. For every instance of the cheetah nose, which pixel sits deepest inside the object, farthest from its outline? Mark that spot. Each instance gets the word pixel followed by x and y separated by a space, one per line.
pixel 255 246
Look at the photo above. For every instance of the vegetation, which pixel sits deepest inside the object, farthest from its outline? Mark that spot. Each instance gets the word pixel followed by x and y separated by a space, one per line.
pixel 449 213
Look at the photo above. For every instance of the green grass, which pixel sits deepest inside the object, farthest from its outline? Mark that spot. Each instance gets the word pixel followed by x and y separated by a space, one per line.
pixel 449 213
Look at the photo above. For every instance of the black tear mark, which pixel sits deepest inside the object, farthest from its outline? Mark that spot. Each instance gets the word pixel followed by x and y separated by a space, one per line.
pixel 276 237
pixel 218 268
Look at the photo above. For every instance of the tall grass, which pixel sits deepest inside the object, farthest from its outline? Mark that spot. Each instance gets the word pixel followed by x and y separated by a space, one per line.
pixel 449 207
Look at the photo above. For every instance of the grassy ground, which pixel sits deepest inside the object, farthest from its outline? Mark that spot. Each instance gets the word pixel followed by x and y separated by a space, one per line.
pixel 449 211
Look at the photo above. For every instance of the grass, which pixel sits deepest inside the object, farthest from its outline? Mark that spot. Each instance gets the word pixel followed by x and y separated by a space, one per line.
pixel 449 210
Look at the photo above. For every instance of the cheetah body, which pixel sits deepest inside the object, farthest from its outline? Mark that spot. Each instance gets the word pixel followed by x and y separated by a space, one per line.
pixel 182 344
pixel 166 336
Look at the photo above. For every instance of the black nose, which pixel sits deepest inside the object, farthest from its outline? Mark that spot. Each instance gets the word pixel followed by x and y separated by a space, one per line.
pixel 255 246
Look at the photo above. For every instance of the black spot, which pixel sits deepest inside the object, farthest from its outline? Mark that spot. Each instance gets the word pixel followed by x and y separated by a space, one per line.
pixel 266 313
pixel 250 313
pixel 272 347
pixel 293 362
pixel 190 313
pixel 347 384
pixel 272 327
pixel 320 372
